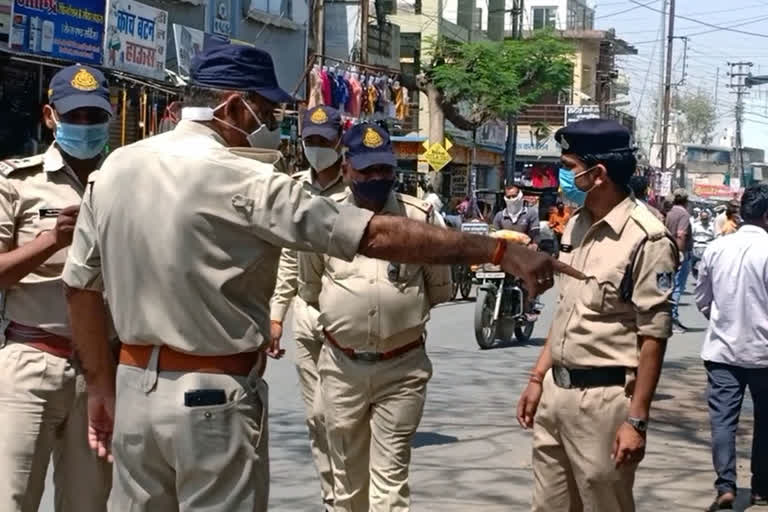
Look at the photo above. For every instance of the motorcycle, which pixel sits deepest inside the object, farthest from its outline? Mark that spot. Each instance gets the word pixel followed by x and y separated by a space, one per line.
pixel 503 307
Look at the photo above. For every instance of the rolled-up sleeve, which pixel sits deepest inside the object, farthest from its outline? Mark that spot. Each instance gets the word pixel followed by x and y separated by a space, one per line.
pixel 437 278
pixel 286 285
pixel 285 215
pixel 654 280
pixel 8 204
pixel 83 267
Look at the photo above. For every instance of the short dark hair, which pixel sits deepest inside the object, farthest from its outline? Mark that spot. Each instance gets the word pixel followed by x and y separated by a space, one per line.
pixel 204 97
pixel 639 186
pixel 621 165
pixel 754 203
pixel 680 197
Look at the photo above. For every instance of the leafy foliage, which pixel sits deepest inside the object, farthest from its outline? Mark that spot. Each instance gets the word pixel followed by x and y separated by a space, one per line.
pixel 489 80
pixel 699 117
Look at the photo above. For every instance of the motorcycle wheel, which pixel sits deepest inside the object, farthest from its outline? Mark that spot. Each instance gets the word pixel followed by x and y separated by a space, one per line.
pixel 524 331
pixel 466 283
pixel 485 327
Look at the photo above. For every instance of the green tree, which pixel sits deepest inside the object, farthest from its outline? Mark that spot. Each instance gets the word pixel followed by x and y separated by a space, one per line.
pixel 479 81
pixel 698 121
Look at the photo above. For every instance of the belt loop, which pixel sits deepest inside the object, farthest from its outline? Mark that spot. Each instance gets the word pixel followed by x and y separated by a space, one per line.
pixel 149 379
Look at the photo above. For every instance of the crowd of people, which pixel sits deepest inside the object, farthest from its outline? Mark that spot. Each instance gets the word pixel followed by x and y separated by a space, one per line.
pixel 137 326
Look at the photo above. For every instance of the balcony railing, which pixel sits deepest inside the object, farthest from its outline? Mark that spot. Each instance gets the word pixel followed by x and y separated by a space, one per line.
pixel 545 114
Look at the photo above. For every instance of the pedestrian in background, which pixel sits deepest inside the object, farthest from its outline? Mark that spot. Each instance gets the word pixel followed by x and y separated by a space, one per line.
pixel 321 139
pixel 732 292
pixel 678 224
pixel 639 186
pixel 731 222
pixel 703 234
pixel 374 367
pixel 558 219
pixel 590 393
pixel 43 403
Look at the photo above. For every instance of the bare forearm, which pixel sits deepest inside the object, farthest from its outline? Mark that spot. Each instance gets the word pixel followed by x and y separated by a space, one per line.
pixel 409 241
pixel 88 315
pixel 544 362
pixel 17 264
pixel 648 373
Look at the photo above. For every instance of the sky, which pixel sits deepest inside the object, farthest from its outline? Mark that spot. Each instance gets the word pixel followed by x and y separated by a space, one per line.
pixel 707 52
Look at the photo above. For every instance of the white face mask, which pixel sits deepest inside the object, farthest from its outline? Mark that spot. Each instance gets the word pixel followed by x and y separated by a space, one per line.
pixel 320 158
pixel 261 137
pixel 514 204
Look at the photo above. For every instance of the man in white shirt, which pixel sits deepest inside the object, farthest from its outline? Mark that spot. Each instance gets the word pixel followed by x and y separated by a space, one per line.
pixel 732 292
pixel 703 234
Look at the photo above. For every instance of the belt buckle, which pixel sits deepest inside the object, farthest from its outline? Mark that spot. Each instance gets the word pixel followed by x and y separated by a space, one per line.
pixel 562 377
pixel 368 357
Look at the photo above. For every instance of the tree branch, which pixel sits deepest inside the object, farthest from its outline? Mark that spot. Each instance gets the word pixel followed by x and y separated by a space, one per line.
pixel 421 83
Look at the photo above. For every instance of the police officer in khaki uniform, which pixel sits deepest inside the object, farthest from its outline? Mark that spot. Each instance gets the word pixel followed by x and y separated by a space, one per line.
pixel 321 137
pixel 374 367
pixel 42 392
pixel 598 371
pixel 183 232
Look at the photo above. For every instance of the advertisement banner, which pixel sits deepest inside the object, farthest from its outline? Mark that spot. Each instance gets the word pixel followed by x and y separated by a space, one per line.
pixel 190 42
pixel 65 29
pixel 136 38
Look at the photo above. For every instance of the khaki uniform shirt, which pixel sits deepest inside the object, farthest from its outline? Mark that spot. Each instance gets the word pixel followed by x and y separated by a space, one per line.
pixel 27 188
pixel 372 305
pixel 593 326
pixel 286 288
pixel 185 236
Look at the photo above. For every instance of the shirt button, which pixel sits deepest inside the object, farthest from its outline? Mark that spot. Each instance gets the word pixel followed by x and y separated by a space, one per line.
pixel 372 312
pixel 372 281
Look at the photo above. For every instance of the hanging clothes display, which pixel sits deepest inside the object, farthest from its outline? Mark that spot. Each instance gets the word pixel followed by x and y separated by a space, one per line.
pixel 315 88
pixel 326 87
pixel 355 96
pixel 373 98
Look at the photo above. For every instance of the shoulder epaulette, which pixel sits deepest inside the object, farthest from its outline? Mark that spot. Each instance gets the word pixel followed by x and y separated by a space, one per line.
pixel 9 166
pixel 648 222
pixel 424 206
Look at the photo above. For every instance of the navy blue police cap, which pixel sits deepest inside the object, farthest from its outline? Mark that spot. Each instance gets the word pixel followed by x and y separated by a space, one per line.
pixel 323 121
pixel 237 67
pixel 594 136
pixel 367 145
pixel 77 87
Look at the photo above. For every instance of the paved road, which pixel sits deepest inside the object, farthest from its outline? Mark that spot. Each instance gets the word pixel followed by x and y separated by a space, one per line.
pixel 470 454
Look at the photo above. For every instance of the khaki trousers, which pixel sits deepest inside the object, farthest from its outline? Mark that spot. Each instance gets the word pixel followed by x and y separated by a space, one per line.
pixel 43 413
pixel 170 457
pixel 309 341
pixel 372 411
pixel 573 438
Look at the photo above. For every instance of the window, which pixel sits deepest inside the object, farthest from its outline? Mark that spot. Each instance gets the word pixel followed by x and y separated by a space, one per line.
pixel 477 19
pixel 277 7
pixel 544 17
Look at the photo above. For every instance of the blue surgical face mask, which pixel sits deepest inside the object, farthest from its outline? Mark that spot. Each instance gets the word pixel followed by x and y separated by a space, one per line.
pixel 568 186
pixel 375 192
pixel 81 141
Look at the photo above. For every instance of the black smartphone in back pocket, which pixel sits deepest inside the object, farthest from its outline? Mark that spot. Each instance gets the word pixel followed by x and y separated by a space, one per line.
pixel 203 397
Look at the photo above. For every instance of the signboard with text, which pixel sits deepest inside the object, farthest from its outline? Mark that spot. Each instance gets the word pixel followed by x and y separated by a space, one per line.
pixel 221 17
pixel 136 38
pixel 575 113
pixel 65 29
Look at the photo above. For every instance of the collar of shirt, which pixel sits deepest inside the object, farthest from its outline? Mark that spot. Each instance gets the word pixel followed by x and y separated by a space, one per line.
pixel 195 128
pixel 314 184
pixel 617 218
pixel 52 159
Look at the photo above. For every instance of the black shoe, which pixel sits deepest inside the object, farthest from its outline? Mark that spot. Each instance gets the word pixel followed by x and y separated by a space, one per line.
pixel 720 504
pixel 760 500
pixel 678 328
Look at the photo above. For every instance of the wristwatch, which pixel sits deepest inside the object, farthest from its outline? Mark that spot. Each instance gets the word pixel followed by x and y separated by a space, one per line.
pixel 638 424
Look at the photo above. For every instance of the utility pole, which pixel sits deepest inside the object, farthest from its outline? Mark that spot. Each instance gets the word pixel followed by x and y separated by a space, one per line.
pixel 364 12
pixel 320 28
pixel 668 87
pixel 738 82
pixel 510 153
pixel 657 128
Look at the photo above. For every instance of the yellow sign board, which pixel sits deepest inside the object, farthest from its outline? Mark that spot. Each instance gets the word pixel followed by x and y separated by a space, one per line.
pixel 437 155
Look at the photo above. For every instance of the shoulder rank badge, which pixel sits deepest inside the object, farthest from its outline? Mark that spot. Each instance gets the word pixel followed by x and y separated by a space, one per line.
pixel 664 281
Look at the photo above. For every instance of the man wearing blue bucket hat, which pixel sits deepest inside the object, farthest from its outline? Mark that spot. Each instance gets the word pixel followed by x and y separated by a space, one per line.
pixel 188 267
pixel 42 390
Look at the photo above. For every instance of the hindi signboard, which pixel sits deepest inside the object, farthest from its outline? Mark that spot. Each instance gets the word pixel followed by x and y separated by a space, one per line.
pixel 575 113
pixel 71 29
pixel 136 38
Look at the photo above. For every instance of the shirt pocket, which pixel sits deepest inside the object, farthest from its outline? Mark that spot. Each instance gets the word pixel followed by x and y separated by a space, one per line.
pixel 602 293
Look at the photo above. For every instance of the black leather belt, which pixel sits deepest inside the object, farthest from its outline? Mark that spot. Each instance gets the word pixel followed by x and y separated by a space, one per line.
pixel 569 378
